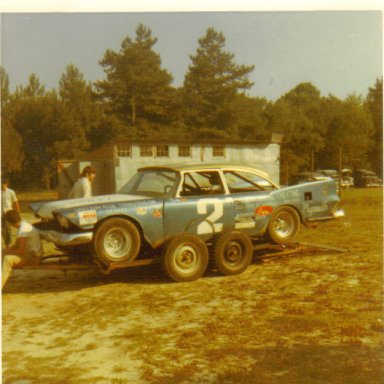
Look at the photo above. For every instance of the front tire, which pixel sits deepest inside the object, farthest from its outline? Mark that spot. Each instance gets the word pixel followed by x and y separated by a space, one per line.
pixel 185 258
pixel 117 240
pixel 232 252
pixel 284 225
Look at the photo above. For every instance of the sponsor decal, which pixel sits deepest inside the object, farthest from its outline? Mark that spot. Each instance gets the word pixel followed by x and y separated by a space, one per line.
pixel 245 224
pixel 141 211
pixel 87 217
pixel 263 210
pixel 157 213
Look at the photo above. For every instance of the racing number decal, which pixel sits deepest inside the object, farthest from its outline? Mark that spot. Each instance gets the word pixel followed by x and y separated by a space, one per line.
pixel 206 225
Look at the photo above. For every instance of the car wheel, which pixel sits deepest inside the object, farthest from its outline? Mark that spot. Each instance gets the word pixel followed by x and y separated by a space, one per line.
pixel 232 252
pixel 185 257
pixel 117 240
pixel 284 225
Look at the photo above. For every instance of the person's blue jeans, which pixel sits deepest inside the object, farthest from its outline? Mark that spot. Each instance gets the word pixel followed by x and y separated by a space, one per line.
pixel 6 232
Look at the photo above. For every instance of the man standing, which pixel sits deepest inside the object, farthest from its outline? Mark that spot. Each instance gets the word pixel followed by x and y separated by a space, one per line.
pixel 8 202
pixel 27 248
pixel 83 187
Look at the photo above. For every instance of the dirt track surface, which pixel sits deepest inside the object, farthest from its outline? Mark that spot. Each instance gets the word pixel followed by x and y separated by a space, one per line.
pixel 310 317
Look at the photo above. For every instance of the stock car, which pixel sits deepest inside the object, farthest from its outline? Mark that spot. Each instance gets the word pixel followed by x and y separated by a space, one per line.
pixel 191 212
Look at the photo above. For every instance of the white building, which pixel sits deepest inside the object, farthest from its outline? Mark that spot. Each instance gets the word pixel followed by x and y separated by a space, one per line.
pixel 115 163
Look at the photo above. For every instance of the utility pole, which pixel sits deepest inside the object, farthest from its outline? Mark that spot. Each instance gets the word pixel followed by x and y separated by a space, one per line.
pixel 312 164
pixel 340 168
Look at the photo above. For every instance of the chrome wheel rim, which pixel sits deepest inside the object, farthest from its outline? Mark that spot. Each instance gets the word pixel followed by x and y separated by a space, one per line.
pixel 284 224
pixel 186 259
pixel 117 243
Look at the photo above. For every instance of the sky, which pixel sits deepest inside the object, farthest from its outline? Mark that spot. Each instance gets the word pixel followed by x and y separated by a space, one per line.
pixel 340 52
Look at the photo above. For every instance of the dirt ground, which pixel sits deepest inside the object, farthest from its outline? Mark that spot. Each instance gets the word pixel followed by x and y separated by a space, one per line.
pixel 311 317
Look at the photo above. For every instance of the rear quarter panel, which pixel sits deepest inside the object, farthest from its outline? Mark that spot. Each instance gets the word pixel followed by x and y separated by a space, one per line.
pixel 314 201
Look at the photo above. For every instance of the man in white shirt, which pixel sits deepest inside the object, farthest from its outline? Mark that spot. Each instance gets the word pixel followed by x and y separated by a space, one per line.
pixel 8 202
pixel 83 187
pixel 27 248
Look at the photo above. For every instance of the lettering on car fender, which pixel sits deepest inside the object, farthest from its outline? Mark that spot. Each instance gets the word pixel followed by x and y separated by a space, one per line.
pixel 202 209
pixel 290 196
pixel 87 217
pixel 315 209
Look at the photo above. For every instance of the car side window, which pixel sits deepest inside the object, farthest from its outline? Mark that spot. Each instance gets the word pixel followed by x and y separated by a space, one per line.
pixel 240 181
pixel 202 183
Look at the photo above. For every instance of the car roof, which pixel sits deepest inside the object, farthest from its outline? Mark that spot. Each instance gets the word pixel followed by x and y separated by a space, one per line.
pixel 179 167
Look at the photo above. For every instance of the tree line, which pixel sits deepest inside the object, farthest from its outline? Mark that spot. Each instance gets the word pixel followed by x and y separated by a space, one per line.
pixel 136 99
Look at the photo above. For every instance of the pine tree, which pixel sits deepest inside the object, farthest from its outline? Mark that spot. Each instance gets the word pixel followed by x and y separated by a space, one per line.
pixel 136 87
pixel 375 106
pixel 212 82
pixel 12 155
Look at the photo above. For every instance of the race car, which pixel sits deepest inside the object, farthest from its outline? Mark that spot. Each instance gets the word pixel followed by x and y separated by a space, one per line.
pixel 191 212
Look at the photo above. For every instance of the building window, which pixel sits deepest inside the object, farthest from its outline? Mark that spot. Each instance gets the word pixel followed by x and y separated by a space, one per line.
pixel 124 151
pixel 184 151
pixel 218 151
pixel 162 151
pixel 146 151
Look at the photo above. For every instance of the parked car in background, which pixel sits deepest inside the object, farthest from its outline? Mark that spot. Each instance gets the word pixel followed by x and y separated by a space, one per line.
pixel 329 173
pixel 184 210
pixel 306 177
pixel 366 178
pixel 347 178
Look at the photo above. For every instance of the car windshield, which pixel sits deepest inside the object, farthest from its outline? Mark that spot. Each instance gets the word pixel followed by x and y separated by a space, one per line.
pixel 152 183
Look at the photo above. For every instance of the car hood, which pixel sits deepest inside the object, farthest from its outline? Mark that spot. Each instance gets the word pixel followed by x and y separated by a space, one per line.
pixel 44 209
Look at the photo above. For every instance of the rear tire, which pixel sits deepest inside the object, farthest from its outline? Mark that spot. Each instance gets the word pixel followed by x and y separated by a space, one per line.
pixel 117 240
pixel 185 258
pixel 284 225
pixel 232 252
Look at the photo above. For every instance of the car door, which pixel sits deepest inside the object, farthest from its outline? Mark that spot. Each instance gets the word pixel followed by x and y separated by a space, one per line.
pixel 201 207
pixel 250 193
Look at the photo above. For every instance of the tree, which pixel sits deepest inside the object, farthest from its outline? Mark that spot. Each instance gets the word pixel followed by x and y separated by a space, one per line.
pixel 34 112
pixel 212 82
pixel 4 79
pixel 136 87
pixel 77 117
pixel 298 116
pixel 350 129
pixel 11 142
pixel 374 103
pixel 11 146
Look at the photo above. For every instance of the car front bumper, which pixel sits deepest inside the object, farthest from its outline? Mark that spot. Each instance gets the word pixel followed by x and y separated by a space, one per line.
pixel 66 239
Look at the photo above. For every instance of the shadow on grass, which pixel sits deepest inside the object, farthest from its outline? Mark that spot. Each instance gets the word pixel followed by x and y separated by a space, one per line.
pixel 45 280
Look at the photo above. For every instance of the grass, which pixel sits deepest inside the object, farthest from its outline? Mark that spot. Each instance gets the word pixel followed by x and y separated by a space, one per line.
pixel 313 317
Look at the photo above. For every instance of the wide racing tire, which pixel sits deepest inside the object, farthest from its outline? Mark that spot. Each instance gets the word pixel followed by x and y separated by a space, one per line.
pixel 284 225
pixel 232 252
pixel 185 257
pixel 117 240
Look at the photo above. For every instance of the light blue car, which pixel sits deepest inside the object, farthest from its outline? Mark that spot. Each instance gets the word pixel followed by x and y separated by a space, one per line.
pixel 191 212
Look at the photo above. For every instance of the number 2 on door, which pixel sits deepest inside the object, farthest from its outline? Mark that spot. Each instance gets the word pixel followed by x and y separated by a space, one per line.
pixel 209 225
